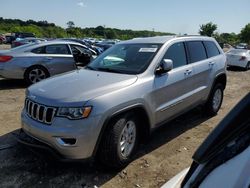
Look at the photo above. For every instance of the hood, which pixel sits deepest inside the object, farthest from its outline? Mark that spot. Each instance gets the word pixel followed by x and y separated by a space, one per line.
pixel 77 87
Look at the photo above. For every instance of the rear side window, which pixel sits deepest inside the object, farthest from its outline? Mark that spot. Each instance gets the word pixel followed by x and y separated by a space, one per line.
pixel 57 49
pixel 40 50
pixel 196 51
pixel 211 48
pixel 177 54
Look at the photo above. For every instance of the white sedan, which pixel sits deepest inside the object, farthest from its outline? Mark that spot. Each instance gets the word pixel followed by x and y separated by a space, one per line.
pixel 239 58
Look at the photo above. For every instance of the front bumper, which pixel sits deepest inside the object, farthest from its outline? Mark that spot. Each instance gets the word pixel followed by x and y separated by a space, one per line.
pixel 84 134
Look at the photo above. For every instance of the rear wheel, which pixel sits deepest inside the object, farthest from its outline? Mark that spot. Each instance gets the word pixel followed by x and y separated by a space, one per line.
pixel 35 74
pixel 215 99
pixel 120 142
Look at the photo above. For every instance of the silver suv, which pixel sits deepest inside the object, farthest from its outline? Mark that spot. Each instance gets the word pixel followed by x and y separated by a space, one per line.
pixel 106 108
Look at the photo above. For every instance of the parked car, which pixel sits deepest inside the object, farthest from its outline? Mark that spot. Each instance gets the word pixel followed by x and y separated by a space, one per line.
pixel 2 39
pixel 34 62
pixel 27 40
pixel 9 39
pixel 85 44
pixel 238 58
pixel 23 35
pixel 105 44
pixel 223 159
pixel 125 93
pixel 241 46
pixel 13 36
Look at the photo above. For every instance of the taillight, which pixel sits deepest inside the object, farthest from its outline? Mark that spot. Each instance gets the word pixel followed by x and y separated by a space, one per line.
pixel 242 58
pixel 5 58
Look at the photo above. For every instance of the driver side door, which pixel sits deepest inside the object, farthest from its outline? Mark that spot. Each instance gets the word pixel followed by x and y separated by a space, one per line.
pixel 172 89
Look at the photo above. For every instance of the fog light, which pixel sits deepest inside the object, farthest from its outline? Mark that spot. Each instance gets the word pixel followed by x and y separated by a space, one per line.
pixel 66 141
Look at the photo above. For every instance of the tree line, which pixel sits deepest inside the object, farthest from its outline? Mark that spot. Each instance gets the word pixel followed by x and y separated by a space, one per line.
pixel 50 30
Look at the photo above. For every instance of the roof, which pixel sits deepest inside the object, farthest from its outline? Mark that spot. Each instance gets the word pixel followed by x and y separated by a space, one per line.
pixel 156 40
pixel 163 39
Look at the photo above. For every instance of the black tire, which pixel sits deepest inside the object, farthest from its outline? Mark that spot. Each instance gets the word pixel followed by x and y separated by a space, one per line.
pixel 247 66
pixel 213 105
pixel 110 153
pixel 40 70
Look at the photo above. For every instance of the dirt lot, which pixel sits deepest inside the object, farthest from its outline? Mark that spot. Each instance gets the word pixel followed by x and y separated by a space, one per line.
pixel 168 151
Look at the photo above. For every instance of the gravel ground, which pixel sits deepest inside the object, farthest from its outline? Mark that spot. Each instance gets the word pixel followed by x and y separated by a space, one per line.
pixel 168 151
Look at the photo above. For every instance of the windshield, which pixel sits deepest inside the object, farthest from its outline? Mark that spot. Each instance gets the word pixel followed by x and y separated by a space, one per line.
pixel 125 58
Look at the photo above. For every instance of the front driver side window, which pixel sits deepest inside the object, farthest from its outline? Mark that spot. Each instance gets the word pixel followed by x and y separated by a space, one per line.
pixel 177 54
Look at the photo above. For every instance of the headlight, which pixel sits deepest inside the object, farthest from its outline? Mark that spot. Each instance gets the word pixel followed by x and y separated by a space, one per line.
pixel 74 113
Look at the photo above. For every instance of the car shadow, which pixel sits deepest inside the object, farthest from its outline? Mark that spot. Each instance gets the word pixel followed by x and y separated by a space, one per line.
pixel 173 129
pixel 12 84
pixel 23 168
pixel 236 69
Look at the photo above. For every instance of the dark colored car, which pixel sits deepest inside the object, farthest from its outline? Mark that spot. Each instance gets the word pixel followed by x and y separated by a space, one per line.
pixel 9 39
pixel 105 44
pixel 223 159
pixel 23 35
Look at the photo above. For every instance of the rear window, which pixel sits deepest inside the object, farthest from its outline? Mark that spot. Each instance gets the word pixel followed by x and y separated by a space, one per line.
pixel 196 51
pixel 211 48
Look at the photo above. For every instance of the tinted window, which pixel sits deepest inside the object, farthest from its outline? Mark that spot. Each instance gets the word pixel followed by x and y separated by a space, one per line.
pixel 57 49
pixel 196 51
pixel 40 50
pixel 76 49
pixel 211 48
pixel 177 54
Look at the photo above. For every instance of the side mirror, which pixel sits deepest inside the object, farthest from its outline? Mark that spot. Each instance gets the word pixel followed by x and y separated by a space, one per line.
pixel 165 66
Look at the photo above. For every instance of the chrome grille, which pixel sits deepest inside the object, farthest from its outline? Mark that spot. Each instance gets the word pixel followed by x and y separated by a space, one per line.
pixel 41 113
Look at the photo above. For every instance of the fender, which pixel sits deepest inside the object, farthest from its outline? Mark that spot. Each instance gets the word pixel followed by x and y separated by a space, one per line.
pixel 115 114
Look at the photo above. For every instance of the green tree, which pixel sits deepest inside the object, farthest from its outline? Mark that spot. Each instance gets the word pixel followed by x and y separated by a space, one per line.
pixel 207 29
pixel 245 34
pixel 111 34
pixel 70 24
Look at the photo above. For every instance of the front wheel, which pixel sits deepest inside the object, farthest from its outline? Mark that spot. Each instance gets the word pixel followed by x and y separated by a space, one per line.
pixel 119 142
pixel 215 100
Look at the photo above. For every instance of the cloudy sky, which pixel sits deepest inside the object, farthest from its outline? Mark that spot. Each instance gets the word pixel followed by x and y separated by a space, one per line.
pixel 180 16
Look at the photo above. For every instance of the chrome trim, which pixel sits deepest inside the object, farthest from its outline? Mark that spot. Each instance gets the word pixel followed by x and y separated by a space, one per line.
pixel 172 105
pixel 30 107
pixel 37 112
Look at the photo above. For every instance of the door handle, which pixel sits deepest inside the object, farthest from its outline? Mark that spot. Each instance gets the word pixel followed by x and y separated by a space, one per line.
pixel 211 63
pixel 188 72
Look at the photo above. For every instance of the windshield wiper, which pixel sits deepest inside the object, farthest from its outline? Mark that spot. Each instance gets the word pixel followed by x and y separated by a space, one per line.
pixel 90 68
pixel 108 70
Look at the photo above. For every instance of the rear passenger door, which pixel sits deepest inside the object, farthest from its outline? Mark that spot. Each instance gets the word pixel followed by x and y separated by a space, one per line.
pixel 59 59
pixel 198 52
pixel 172 90
pixel 56 57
